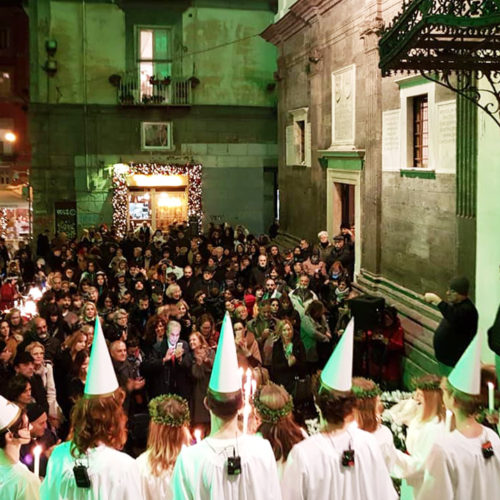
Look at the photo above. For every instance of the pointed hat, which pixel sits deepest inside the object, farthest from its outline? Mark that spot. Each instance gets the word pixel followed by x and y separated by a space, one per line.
pixel 466 376
pixel 225 377
pixel 101 377
pixel 9 413
pixel 337 373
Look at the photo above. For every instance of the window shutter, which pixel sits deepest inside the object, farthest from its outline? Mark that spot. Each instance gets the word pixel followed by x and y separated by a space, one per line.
pixel 308 144
pixel 290 146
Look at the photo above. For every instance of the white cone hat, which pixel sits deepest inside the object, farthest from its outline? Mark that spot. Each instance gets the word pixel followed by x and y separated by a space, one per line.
pixel 225 378
pixel 9 413
pixel 337 373
pixel 466 376
pixel 101 377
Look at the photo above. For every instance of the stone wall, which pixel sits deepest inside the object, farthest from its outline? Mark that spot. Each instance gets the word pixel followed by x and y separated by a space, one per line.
pixel 408 225
pixel 234 176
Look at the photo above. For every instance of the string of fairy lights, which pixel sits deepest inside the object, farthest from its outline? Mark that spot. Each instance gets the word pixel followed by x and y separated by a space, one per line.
pixel 120 193
pixel 3 222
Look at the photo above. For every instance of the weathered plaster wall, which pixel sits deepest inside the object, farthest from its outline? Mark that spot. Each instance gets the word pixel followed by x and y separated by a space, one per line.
pixel 90 47
pixel 222 48
pixel 78 131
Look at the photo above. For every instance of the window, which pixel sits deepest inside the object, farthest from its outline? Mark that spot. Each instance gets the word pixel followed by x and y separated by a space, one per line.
pixel 4 38
pixel 298 139
pixel 299 130
pixel 154 58
pixel 420 131
pixel 5 83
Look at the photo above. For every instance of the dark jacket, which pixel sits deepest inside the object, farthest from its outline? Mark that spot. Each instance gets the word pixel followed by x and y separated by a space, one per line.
pixel 283 374
pixel 173 376
pixel 456 330
pixel 494 335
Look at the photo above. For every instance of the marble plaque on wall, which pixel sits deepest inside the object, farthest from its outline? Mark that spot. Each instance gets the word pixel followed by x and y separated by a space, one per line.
pixel 447 123
pixel 343 106
pixel 391 140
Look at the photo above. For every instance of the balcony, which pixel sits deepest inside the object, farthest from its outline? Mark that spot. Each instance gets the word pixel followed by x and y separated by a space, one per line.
pixel 134 91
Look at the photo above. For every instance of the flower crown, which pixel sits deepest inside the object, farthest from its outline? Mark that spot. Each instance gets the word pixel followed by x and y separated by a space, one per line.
pixel 159 417
pixel 360 393
pixel 268 414
pixel 426 384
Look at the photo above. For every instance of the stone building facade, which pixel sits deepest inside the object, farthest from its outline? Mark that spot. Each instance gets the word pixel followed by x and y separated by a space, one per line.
pixel 151 83
pixel 351 151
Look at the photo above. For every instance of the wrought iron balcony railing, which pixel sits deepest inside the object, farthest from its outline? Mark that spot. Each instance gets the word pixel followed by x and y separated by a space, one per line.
pixel 132 91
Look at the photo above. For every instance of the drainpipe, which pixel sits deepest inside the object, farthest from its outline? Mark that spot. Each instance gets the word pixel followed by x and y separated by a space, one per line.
pixel 84 77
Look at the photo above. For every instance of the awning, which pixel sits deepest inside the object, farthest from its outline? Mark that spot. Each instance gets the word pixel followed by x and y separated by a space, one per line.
pixel 455 43
pixel 12 197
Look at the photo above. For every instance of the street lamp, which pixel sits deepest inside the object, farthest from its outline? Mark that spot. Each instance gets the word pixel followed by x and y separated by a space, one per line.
pixel 10 137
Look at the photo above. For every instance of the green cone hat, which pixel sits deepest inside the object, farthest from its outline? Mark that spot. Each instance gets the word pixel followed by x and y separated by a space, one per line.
pixel 101 377
pixel 337 373
pixel 466 376
pixel 225 378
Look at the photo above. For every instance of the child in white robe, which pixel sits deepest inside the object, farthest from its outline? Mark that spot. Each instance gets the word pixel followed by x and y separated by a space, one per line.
pixel 464 464
pixel 168 433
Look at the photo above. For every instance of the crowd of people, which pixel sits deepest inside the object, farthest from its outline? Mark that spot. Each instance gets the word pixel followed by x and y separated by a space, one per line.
pixel 168 308
pixel 161 299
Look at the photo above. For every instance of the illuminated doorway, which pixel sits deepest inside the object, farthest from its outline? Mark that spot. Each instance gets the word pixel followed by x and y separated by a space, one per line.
pixel 159 207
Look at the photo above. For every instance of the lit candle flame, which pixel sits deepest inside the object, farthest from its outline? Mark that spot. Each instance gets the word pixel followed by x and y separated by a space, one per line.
pixel 37 451
pixel 449 415
pixel 491 396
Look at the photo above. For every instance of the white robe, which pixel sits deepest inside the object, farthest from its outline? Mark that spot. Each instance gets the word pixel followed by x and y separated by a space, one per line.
pixel 201 471
pixel 113 474
pixel 154 487
pixel 17 482
pixel 457 470
pixel 314 470
pixel 420 439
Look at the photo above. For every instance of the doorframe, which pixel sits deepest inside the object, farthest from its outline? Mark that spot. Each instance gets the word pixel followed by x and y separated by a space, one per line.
pixel 352 177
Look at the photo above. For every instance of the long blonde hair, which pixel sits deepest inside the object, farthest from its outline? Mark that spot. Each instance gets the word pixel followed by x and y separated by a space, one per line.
pixel 165 441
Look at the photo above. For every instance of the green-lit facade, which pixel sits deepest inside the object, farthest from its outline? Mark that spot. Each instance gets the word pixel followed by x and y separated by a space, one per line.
pixel 92 91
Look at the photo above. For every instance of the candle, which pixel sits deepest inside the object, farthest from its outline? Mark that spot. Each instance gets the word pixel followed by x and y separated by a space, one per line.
pixel 197 435
pixel 37 450
pixel 246 414
pixel 240 371
pixel 449 414
pixel 247 393
pixel 491 397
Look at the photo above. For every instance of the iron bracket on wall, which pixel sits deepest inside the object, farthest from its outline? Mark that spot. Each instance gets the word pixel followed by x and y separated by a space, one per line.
pixel 455 43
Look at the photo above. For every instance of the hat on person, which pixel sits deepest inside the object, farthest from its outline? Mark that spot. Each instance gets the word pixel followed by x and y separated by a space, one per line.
pixel 101 377
pixel 337 373
pixel 338 237
pixel 225 377
pixel 466 376
pixel 34 411
pixel 460 284
pixel 9 413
